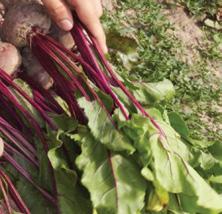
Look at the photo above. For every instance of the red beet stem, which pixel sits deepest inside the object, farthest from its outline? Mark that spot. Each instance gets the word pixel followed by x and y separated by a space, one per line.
pixel 44 94
pixel 103 80
pixel 12 150
pixel 26 175
pixel 64 67
pixel 16 137
pixel 78 33
pixel 7 78
pixel 63 85
pixel 14 194
pixel 79 72
pixel 5 196
pixel 27 115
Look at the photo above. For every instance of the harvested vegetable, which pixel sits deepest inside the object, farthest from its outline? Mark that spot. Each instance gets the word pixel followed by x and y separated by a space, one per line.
pixel 10 3
pixel 107 152
pixel 35 71
pixel 18 25
pixel 64 38
pixel 19 132
pixel 10 58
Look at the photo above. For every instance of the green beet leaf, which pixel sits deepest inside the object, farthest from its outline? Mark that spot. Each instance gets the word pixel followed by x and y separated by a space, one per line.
pixel 149 93
pixel 169 159
pixel 158 199
pixel 114 182
pixel 33 199
pixel 102 128
pixel 179 124
pixel 71 197
pixel 177 176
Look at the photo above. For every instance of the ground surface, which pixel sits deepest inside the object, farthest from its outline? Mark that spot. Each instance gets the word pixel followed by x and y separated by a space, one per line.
pixel 179 40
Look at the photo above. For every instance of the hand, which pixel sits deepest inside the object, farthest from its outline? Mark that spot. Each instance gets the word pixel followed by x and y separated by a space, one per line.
pixel 89 12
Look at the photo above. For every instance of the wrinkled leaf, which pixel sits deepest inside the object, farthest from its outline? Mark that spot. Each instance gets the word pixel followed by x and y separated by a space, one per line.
pixel 158 200
pixel 177 176
pixel 207 161
pixel 179 124
pixel 71 197
pixel 103 129
pixel 169 159
pixel 114 182
pixel 148 93
pixel 121 43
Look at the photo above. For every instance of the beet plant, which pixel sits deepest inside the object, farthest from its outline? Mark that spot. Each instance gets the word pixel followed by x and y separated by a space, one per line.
pixel 105 152
pixel 18 129
pixel 18 25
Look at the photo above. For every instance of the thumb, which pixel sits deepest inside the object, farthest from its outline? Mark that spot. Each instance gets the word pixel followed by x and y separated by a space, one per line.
pixel 60 13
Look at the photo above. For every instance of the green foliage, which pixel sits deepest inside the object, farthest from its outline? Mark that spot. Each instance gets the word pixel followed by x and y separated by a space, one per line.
pixel 71 196
pixel 197 86
pixel 114 178
pixel 114 166
pixel 103 129
pixel 114 181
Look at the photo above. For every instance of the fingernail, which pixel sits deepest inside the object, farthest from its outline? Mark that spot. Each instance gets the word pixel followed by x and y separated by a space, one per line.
pixel 65 24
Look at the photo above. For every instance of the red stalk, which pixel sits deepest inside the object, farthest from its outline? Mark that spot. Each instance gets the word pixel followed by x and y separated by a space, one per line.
pixel 5 196
pixel 15 136
pixel 93 74
pixel 9 113
pixel 103 81
pixel 26 175
pixel 12 150
pixel 83 43
pixel 7 78
pixel 44 94
pixel 41 102
pixel 64 67
pixel 79 72
pixel 65 91
pixel 14 194
pixel 85 50
pixel 26 114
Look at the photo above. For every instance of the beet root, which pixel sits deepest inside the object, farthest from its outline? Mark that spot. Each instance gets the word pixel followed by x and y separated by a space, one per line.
pixel 63 37
pixel 9 3
pixel 10 58
pixel 66 39
pixel 35 71
pixel 21 20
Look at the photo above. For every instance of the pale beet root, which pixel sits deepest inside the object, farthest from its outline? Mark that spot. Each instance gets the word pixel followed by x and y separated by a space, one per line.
pixel 66 39
pixel 35 71
pixel 63 37
pixel 9 3
pixel 10 58
pixel 21 19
